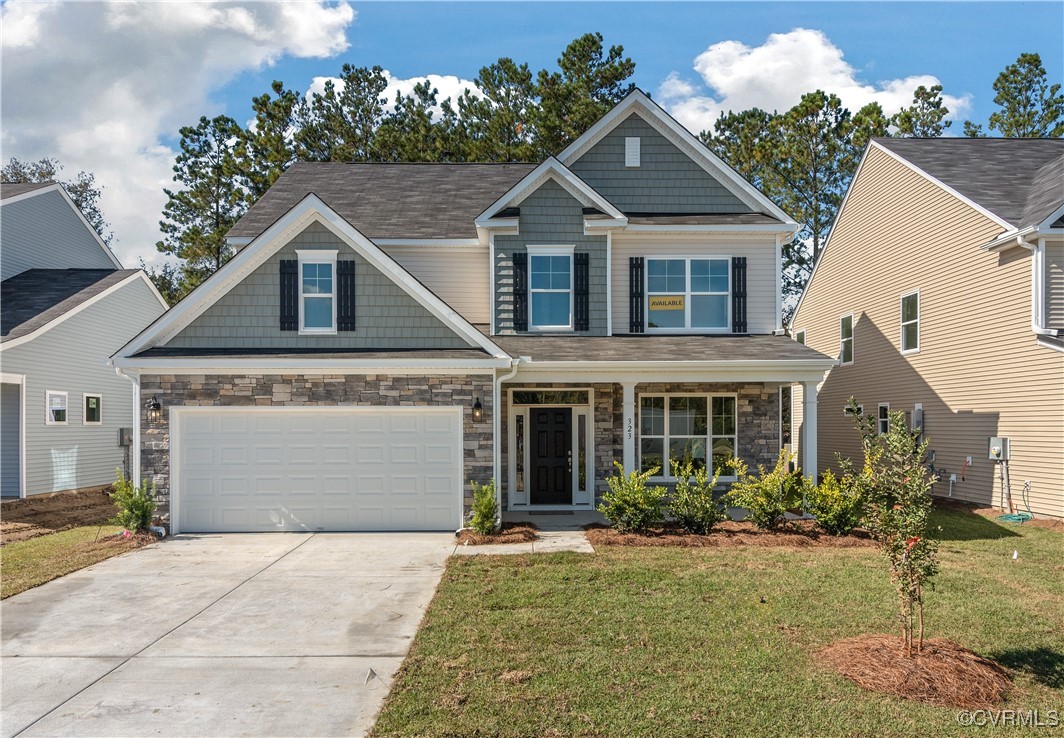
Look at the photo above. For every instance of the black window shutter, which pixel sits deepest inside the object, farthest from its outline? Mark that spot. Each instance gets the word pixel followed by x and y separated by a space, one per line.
pixel 289 295
pixel 581 290
pixel 520 260
pixel 738 264
pixel 635 302
pixel 345 295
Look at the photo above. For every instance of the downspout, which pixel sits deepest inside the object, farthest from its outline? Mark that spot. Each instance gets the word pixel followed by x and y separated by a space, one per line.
pixel 497 431
pixel 134 454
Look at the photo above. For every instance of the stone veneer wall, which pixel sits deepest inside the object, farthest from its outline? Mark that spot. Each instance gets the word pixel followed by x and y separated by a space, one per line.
pixel 301 390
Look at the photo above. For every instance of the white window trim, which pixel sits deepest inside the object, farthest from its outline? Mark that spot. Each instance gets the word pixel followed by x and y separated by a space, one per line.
pixel 880 420
pixel 667 475
pixel 848 414
pixel 534 251
pixel 48 394
pixel 687 294
pixel 903 323
pixel 842 341
pixel 317 256
pixel 84 411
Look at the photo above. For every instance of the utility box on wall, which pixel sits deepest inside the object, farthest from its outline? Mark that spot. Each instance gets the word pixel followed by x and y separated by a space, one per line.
pixel 997 448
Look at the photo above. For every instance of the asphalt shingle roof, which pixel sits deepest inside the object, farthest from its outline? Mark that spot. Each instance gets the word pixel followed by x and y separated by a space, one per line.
pixel 317 353
pixel 11 189
pixel 389 200
pixel 656 348
pixel 1020 180
pixel 36 297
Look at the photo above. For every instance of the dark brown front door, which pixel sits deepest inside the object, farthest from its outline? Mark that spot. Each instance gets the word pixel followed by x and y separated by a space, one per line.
pixel 551 462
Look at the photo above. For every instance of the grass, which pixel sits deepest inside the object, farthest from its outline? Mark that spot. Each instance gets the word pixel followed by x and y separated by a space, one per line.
pixel 29 563
pixel 660 641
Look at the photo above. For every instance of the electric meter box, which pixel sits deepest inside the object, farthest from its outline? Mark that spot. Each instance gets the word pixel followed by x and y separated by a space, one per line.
pixel 998 448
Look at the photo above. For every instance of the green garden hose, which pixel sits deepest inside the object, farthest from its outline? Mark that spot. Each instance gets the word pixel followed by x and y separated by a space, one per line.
pixel 1020 517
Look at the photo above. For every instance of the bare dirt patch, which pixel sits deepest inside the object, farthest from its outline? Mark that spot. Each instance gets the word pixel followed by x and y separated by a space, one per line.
pixel 946 674
pixel 510 533
pixel 43 514
pixel 799 534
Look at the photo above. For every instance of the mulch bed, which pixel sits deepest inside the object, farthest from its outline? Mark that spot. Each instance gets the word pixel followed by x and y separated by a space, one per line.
pixel 946 674
pixel 797 534
pixel 43 514
pixel 510 533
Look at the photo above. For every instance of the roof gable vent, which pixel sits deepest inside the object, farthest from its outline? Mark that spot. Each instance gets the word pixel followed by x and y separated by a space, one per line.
pixel 631 151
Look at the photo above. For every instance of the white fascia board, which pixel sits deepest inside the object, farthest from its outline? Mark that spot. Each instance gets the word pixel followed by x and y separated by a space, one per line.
pixel 309 209
pixel 170 365
pixel 604 224
pixel 81 216
pixel 782 228
pixel 77 309
pixel 942 185
pixel 549 169
pixel 671 128
pixel 431 243
pixel 1046 225
pixel 1011 239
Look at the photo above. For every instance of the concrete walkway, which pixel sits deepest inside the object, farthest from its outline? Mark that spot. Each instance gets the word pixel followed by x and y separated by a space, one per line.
pixel 261 634
pixel 548 542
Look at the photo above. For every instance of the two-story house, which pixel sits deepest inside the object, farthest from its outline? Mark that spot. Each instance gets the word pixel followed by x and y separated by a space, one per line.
pixel 941 290
pixel 66 305
pixel 389 332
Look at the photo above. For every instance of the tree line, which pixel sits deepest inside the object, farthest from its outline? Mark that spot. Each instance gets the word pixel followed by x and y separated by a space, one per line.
pixel 802 158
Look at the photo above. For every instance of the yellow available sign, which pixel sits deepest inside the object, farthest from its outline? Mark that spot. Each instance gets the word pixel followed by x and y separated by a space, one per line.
pixel 666 302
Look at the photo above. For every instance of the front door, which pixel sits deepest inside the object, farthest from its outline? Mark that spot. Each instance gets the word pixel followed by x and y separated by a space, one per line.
pixel 551 462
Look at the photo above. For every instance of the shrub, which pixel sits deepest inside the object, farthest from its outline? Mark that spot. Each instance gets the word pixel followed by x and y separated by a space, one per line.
pixel 136 505
pixel 485 513
pixel 692 502
pixel 768 496
pixel 837 504
pixel 630 505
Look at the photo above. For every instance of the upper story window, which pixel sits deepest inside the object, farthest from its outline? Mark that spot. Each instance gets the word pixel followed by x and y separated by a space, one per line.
pixel 550 288
pixel 846 339
pixel 55 408
pixel 688 294
pixel 317 291
pixel 910 323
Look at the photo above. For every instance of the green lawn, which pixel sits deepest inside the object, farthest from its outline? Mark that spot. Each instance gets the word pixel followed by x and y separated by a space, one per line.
pixel 676 642
pixel 26 564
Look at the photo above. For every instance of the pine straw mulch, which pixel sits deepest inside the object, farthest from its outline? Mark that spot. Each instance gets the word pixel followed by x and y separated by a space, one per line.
pixel 946 674
pixel 510 533
pixel 796 534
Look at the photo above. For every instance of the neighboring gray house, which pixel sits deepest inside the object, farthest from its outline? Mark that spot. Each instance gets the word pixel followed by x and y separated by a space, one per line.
pixel 388 333
pixel 66 305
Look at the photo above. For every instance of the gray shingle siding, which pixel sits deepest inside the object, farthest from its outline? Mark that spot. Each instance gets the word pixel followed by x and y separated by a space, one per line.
pixel 551 216
pixel 72 358
pixel 43 232
pixel 248 315
pixel 667 180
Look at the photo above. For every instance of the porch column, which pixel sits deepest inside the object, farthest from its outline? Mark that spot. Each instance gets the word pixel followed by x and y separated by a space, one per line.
pixel 628 398
pixel 809 423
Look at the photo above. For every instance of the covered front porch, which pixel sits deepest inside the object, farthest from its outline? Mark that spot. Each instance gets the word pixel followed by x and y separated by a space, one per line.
pixel 574 407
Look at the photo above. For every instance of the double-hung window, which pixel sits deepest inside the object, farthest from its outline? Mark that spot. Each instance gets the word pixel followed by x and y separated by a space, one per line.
pixel 55 407
pixel 317 291
pixel 883 420
pixel 682 428
pixel 846 339
pixel 550 288
pixel 688 294
pixel 910 323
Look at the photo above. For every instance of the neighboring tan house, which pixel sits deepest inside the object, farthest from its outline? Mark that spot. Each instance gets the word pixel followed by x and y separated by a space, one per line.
pixel 66 305
pixel 388 333
pixel 941 290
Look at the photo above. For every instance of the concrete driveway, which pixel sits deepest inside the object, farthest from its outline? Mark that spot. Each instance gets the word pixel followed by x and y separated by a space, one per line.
pixel 220 635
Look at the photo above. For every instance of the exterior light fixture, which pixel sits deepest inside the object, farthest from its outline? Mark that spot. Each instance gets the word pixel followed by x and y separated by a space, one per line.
pixel 155 410
pixel 478 411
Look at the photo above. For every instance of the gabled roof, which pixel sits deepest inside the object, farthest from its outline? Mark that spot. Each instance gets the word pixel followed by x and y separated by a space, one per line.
pixel 311 209
pixel 388 201
pixel 1019 181
pixel 36 298
pixel 554 170
pixel 14 189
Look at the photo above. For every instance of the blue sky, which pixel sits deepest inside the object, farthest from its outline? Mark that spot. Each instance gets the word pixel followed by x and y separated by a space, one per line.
pixel 105 86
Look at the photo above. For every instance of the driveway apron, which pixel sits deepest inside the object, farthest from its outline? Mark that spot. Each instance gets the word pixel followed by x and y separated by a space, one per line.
pixel 283 634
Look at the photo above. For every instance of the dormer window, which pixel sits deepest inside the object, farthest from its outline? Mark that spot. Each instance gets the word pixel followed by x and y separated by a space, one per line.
pixel 317 291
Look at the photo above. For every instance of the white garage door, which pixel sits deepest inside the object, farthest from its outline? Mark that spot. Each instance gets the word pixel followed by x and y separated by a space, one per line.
pixel 327 469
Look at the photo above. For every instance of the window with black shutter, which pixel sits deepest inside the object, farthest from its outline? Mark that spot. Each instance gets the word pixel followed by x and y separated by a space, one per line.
pixel 345 295
pixel 635 287
pixel 520 260
pixel 581 292
pixel 289 295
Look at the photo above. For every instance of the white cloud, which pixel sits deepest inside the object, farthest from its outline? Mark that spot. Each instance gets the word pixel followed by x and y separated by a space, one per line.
pixel 98 86
pixel 774 76
pixel 448 86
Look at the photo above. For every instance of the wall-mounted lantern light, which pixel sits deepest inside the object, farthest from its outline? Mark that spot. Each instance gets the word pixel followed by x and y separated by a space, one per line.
pixel 155 410
pixel 478 411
